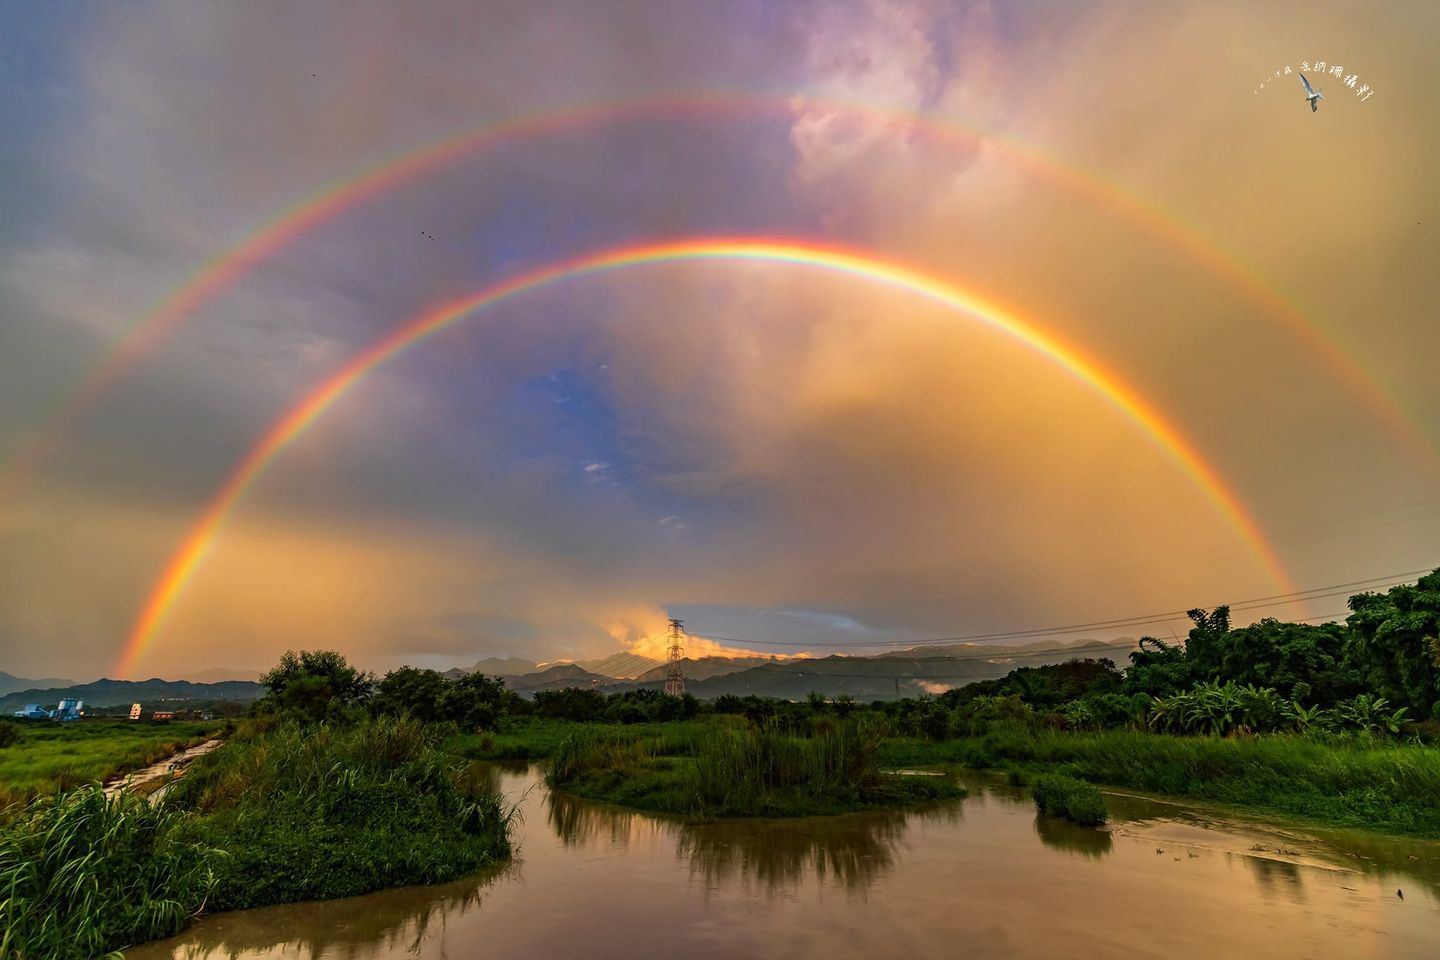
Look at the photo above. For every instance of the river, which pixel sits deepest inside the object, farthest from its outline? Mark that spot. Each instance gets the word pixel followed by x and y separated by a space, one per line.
pixel 983 877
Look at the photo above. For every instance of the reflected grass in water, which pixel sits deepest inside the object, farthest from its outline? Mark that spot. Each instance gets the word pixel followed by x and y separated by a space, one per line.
pixel 1058 834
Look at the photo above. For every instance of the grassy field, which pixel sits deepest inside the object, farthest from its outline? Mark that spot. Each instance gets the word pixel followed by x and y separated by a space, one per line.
pixel 57 756
pixel 1356 781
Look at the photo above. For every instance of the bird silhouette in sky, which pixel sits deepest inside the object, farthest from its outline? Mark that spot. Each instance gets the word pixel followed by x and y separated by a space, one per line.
pixel 1311 94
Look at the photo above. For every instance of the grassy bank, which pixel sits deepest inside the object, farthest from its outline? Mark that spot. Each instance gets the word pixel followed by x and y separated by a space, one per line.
pixel 50 757
pixel 734 769
pixel 1358 782
pixel 278 815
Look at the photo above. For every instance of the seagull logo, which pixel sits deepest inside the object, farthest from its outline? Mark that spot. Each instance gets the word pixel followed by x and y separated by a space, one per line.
pixel 1311 94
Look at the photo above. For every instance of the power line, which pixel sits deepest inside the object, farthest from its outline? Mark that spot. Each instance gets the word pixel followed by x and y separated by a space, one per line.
pixel 1074 648
pixel 1313 593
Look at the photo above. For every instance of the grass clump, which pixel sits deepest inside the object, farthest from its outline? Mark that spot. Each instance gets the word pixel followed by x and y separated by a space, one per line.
pixel 323 811
pixel 83 874
pixel 1069 799
pixel 740 770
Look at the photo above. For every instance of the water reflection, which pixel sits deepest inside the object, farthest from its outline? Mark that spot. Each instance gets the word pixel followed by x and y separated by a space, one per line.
pixel 1278 876
pixel 852 850
pixel 577 822
pixel 588 878
pixel 1072 838
pixel 349 929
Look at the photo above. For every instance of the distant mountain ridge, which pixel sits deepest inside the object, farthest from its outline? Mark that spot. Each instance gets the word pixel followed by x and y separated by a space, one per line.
pixel 9 683
pixel 113 693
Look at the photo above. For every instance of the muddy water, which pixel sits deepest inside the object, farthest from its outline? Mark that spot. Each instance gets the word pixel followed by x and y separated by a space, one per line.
pixel 979 878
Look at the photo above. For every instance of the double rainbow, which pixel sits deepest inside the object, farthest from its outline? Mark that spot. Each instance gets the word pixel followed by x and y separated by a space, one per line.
pixel 334 200
pixel 293 424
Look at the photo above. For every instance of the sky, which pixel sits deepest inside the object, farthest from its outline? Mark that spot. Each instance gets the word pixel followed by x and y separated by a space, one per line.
pixel 791 458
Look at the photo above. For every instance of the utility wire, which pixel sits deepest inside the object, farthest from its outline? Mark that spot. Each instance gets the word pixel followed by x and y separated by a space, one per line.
pixel 1313 593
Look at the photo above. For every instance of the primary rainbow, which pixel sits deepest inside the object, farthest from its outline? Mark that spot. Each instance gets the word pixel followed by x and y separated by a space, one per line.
pixel 336 198
pixel 298 419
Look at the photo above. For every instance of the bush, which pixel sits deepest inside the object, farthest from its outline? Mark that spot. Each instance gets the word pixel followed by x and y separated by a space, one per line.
pixel 9 732
pixel 334 811
pixel 85 874
pixel 1070 799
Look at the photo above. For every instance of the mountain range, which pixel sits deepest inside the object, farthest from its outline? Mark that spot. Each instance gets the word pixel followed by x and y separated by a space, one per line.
pixel 9 683
pixel 918 670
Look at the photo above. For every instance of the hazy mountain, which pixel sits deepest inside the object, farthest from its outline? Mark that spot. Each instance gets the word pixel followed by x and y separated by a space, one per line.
pixel 9 683
pixel 704 668
pixel 114 693
pixel 556 678
pixel 621 665
pixel 503 667
pixel 1027 654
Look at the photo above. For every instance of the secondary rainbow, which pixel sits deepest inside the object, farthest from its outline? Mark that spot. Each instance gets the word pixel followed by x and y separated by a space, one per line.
pixel 329 203
pixel 186 560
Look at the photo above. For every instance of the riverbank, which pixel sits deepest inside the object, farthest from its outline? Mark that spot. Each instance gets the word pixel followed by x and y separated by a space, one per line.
pixel 1361 782
pixel 1356 782
pixel 283 814
pixel 926 882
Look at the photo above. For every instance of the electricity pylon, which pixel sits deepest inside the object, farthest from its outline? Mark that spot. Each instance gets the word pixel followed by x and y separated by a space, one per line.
pixel 675 681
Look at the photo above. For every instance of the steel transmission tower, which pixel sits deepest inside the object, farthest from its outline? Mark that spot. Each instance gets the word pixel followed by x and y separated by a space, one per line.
pixel 675 681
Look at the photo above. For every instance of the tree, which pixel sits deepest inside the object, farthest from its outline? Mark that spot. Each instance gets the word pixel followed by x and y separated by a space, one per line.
pixel 410 690
pixel 580 704
pixel 315 684
pixel 474 701
pixel 1395 641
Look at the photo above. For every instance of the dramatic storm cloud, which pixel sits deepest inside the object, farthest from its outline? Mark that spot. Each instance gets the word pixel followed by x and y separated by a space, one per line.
pixel 775 450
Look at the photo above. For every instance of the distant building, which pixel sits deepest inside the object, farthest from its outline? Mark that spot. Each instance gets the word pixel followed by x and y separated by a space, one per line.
pixel 68 710
pixel 33 711
pixel 163 715
pixel 134 711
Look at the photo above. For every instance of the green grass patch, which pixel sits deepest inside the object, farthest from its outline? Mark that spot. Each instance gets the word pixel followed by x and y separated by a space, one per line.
pixel 734 769
pixel 1355 781
pixel 1069 799
pixel 312 813
pixel 83 874
pixel 50 757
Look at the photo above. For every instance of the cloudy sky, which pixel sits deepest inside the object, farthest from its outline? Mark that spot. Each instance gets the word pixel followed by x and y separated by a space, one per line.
pixel 776 453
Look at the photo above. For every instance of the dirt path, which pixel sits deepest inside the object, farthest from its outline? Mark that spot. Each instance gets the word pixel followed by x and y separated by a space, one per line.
pixel 156 778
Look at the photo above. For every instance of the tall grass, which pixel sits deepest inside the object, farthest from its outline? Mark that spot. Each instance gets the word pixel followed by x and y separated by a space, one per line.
pixel 1069 799
pixel 737 770
pixel 82 874
pixel 309 813
pixel 1350 781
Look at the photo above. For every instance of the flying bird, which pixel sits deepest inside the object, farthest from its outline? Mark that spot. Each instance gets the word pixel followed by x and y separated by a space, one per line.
pixel 1311 94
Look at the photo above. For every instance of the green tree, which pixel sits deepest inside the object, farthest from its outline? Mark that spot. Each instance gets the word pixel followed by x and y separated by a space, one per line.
pixel 410 690
pixel 1394 644
pixel 314 684
pixel 474 701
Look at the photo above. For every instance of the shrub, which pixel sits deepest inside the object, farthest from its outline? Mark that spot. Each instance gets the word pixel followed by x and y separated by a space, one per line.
pixel 1070 799
pixel 9 732
pixel 331 811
